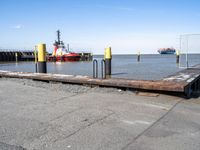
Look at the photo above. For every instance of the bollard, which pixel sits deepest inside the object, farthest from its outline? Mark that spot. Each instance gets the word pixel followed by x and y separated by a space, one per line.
pixel 42 65
pixel 35 55
pixel 177 56
pixel 138 57
pixel 108 58
pixel 16 57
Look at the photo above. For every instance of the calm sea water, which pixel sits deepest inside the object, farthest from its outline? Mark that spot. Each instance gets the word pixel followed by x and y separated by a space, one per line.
pixel 151 67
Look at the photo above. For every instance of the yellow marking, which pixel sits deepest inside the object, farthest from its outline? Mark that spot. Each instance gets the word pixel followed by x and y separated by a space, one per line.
pixel 41 52
pixel 108 54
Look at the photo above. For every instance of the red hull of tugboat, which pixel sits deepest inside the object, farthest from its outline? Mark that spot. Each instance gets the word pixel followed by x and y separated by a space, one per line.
pixel 66 57
pixel 70 57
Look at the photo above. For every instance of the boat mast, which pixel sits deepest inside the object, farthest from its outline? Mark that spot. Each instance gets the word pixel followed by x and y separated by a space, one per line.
pixel 58 35
pixel 68 47
pixel 59 43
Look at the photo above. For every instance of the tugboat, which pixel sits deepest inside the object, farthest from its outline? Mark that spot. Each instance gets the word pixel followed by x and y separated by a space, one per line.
pixel 60 52
pixel 166 50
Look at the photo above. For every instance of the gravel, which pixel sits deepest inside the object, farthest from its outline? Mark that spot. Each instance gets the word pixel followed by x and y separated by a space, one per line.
pixel 71 88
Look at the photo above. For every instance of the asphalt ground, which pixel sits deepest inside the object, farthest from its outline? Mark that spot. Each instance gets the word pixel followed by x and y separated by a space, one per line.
pixel 53 116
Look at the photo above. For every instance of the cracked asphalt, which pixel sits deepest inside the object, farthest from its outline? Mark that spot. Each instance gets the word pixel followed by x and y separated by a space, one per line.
pixel 52 116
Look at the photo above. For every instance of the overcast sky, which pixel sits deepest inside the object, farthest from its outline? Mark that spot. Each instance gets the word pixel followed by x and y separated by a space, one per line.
pixel 128 26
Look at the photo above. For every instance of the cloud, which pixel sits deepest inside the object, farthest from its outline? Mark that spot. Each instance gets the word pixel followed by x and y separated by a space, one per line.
pixel 18 26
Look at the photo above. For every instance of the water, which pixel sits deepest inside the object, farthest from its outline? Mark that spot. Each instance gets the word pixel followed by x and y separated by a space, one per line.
pixel 151 67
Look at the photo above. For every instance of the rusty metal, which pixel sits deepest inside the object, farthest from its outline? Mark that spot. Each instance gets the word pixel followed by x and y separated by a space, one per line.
pixel 112 82
pixel 186 81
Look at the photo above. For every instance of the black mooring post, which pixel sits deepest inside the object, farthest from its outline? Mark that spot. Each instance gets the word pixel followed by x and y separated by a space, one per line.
pixel 42 65
pixel 138 58
pixel 36 70
pixel 108 66
pixel 177 57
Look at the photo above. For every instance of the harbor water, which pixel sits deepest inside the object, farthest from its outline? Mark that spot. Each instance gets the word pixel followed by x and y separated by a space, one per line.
pixel 150 67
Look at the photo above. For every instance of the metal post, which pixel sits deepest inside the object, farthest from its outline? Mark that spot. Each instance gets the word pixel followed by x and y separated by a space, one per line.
pixel 16 56
pixel 187 53
pixel 138 57
pixel 42 65
pixel 180 49
pixel 95 68
pixel 177 56
pixel 103 69
pixel 35 54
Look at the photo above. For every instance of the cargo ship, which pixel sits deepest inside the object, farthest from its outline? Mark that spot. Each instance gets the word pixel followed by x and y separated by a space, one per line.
pixel 166 50
pixel 60 53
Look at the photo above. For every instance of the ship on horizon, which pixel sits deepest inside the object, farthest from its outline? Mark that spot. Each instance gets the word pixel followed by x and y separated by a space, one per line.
pixel 167 50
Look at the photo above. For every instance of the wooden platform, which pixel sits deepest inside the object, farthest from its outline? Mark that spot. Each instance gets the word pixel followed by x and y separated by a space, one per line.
pixel 186 81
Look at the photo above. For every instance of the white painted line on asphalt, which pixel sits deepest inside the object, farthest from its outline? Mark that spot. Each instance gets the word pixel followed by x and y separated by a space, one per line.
pixel 156 106
pixel 152 105
pixel 136 122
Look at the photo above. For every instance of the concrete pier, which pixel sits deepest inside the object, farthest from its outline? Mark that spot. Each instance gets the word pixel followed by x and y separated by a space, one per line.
pixel 10 55
pixel 53 116
pixel 185 82
pixel 86 56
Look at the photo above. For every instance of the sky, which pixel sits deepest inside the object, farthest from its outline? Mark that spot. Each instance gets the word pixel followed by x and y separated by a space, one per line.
pixel 128 26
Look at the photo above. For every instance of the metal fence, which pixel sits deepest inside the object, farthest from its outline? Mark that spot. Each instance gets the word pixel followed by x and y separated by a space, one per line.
pixel 189 50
